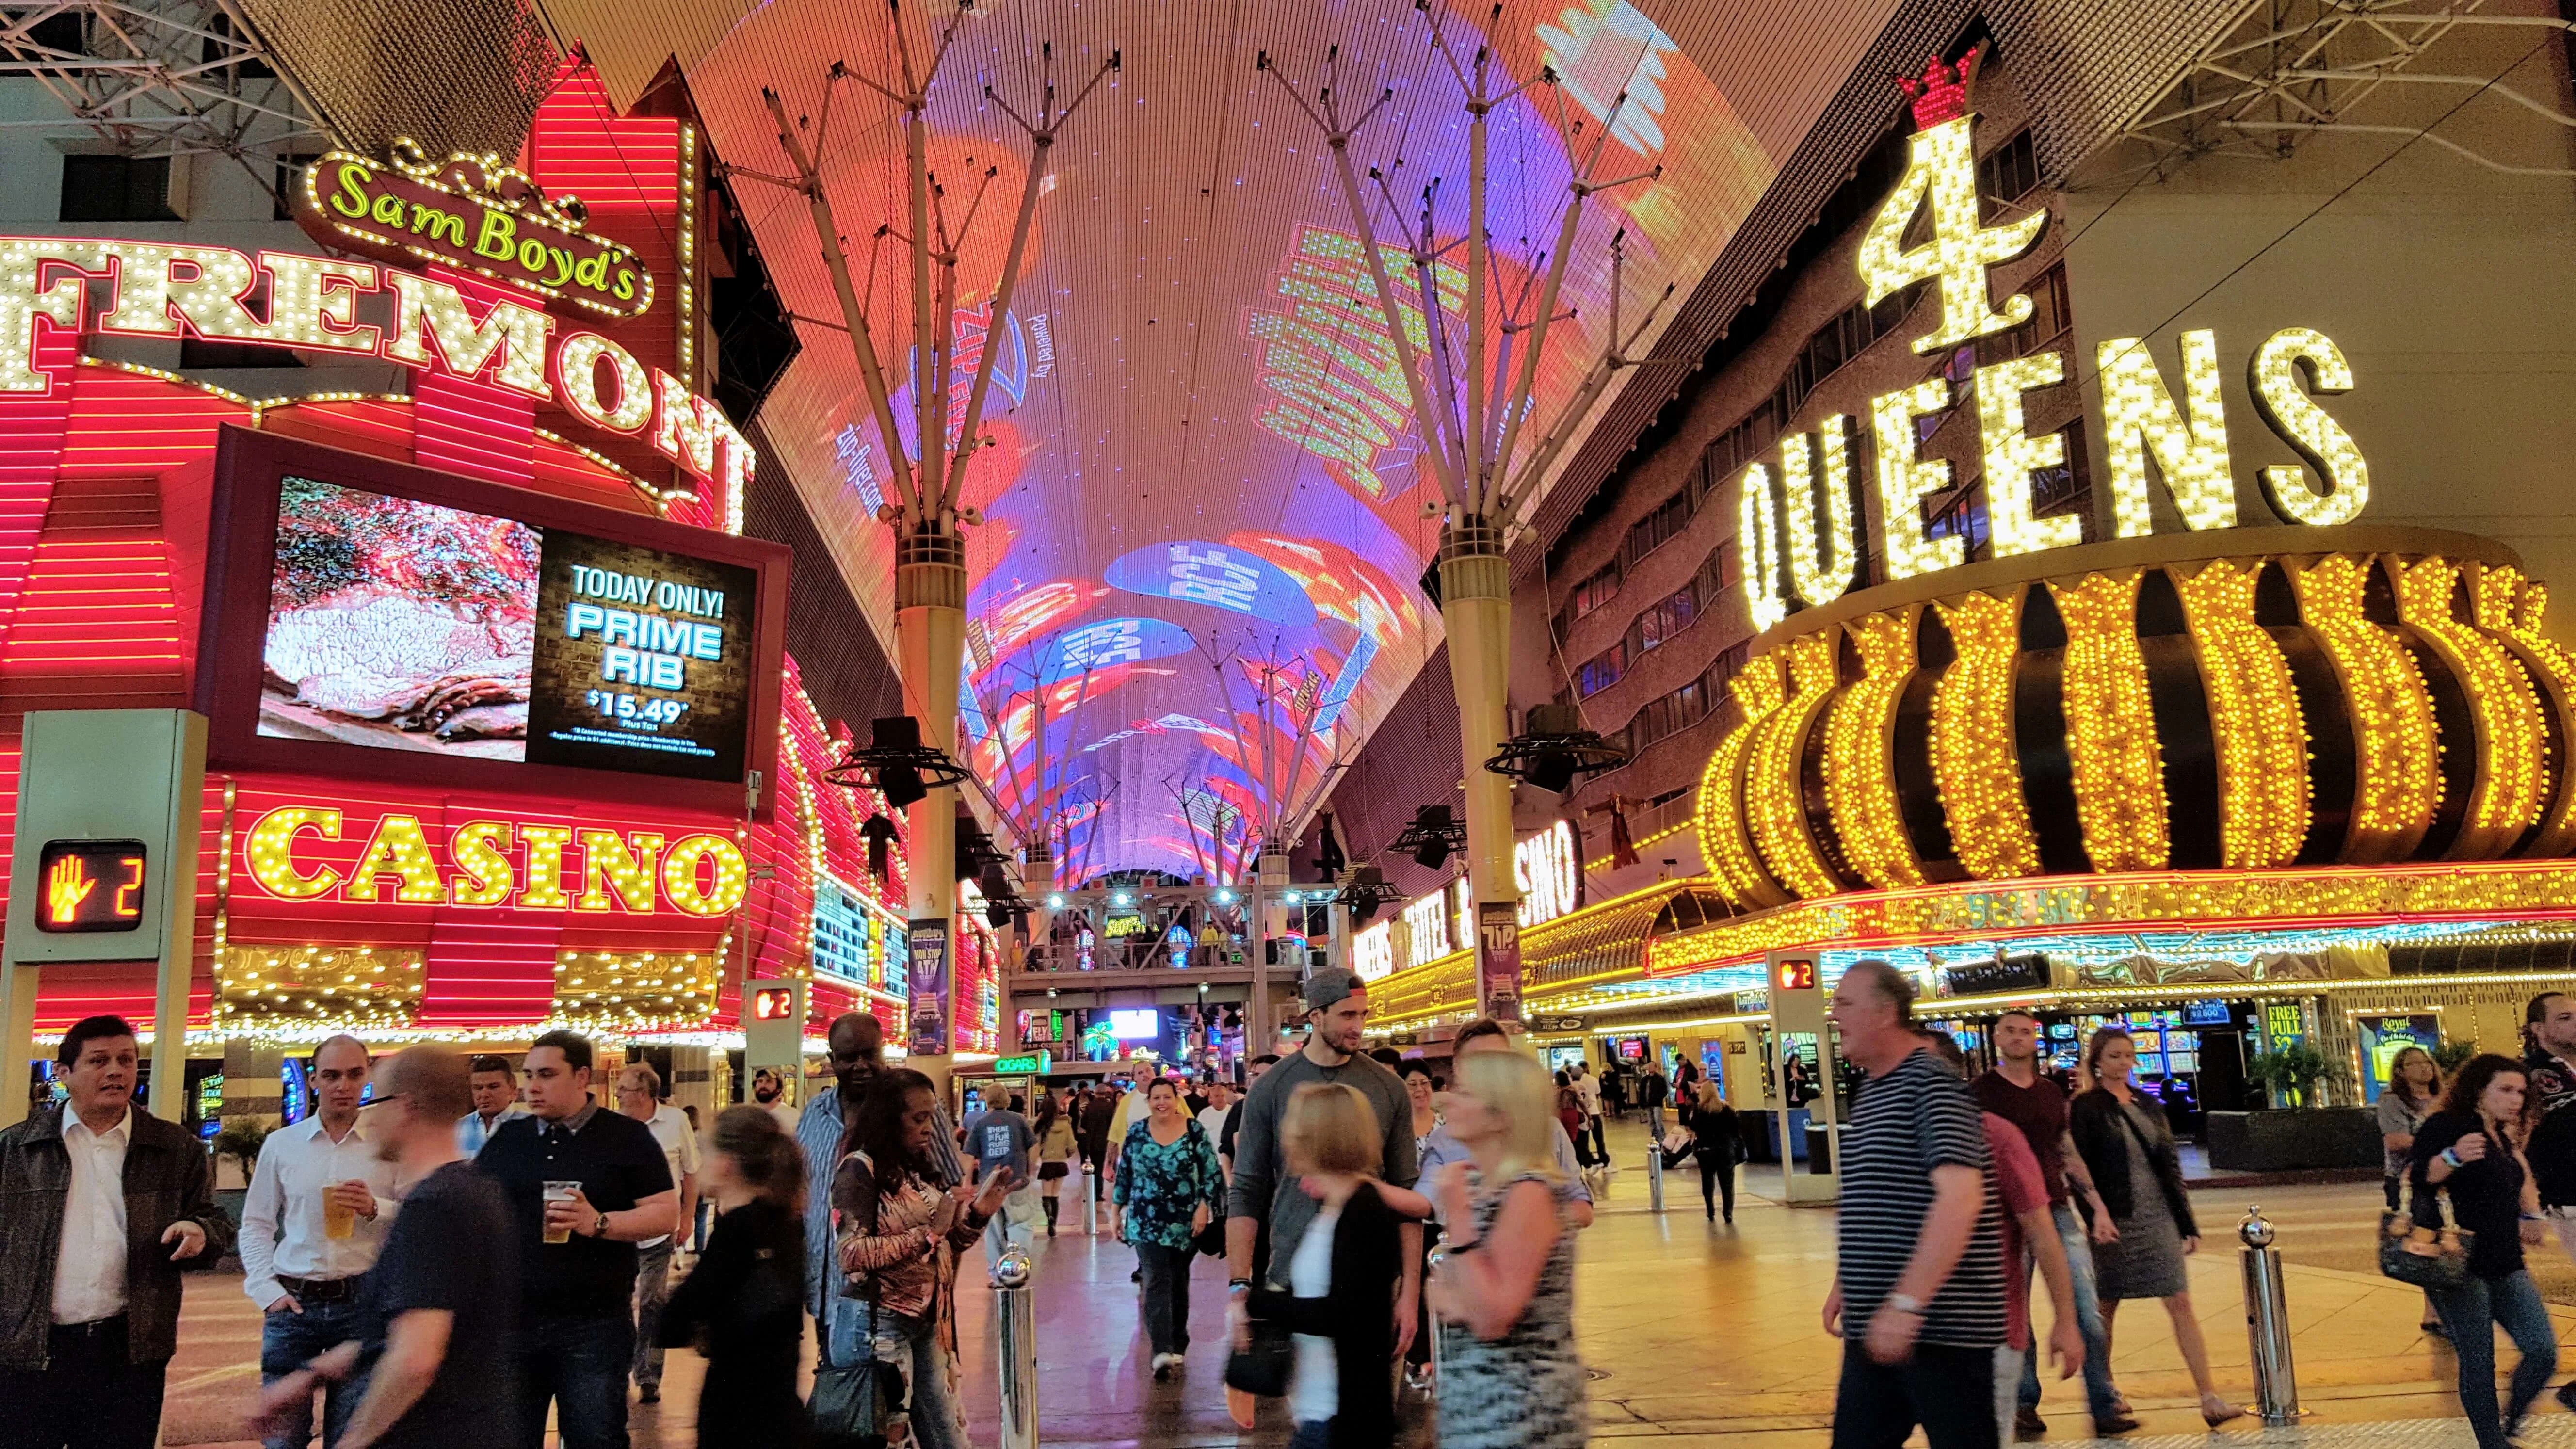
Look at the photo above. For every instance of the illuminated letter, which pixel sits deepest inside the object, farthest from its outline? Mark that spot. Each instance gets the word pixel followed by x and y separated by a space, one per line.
pixel 2274 381
pixel 576 369
pixel 544 890
pixel 427 313
pixel 2139 421
pixel 1757 548
pixel 2013 455
pixel 607 864
pixel 680 875
pixel 22 266
pixel 313 303
pixel 480 851
pixel 499 237
pixel 1820 568
pixel 437 225
pixel 270 851
pixel 691 431
pixel 351 202
pixel 1904 479
pixel 151 295
pixel 1941 170
pixel 397 848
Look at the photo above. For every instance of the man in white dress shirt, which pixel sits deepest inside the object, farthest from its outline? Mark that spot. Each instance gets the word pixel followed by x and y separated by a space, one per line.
pixel 639 1095
pixel 496 1100
pixel 105 1204
pixel 319 1173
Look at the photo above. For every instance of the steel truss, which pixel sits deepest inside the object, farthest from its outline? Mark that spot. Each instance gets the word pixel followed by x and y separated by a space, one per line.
pixel 2287 69
pixel 161 78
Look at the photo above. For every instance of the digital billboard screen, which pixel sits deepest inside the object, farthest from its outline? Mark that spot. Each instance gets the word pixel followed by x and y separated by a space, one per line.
pixel 401 622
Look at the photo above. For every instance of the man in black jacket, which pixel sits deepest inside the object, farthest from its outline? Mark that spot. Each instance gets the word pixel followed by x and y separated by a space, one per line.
pixel 104 1206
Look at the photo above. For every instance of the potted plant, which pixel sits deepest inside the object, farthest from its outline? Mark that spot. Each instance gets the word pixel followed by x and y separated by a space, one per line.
pixel 239 1141
pixel 2450 1056
pixel 2296 1136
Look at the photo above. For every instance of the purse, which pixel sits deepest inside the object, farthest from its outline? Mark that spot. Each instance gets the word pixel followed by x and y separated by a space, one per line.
pixel 2421 1256
pixel 1264 1368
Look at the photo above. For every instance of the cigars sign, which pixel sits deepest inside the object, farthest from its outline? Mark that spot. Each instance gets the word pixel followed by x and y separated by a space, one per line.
pixel 1797 540
pixel 310 304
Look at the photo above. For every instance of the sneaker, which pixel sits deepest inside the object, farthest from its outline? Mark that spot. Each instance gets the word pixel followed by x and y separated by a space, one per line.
pixel 1164 1363
pixel 2567 1395
pixel 649 1394
pixel 2027 1424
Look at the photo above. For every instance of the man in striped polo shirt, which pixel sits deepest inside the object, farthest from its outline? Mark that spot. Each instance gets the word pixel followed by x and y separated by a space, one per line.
pixel 1919 1298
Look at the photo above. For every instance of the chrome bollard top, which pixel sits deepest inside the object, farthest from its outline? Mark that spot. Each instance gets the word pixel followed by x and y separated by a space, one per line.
pixel 1438 1256
pixel 1013 1269
pixel 2256 1230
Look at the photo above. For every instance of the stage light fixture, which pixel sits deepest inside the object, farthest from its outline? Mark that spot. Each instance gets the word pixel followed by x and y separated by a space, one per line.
pixel 1431 837
pixel 1553 749
pixel 897 764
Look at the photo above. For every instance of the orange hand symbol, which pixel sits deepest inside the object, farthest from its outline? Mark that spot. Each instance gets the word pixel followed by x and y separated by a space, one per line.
pixel 66 886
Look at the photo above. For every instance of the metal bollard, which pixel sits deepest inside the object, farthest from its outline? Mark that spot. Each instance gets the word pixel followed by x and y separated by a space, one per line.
pixel 2267 1324
pixel 1016 1314
pixel 1654 1177
pixel 1091 1205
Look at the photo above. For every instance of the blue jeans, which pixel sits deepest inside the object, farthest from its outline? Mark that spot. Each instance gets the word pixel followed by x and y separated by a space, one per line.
pixel 2466 1313
pixel 287 1341
pixel 652 1292
pixel 1312 1434
pixel 2098 1390
pixel 579 1366
pixel 937 1422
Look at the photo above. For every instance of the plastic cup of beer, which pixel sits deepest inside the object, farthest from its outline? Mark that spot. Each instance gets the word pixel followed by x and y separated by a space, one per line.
pixel 339 1220
pixel 560 1192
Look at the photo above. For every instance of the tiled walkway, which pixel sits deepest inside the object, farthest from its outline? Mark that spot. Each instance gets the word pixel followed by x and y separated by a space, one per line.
pixel 1697 1336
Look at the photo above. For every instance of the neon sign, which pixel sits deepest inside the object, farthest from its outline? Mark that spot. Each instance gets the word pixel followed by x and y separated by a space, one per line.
pixel 472 212
pixel 1373 952
pixel 1545 868
pixel 498 863
pixel 173 290
pixel 2187 443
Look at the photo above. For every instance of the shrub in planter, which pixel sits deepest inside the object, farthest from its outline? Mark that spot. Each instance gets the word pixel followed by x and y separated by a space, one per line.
pixel 2293 1071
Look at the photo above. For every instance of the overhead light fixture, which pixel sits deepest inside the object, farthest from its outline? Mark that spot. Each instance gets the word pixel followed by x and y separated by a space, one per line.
pixel 1055 901
pixel 1122 900
pixel 1367 893
pixel 1431 837
pixel 1553 748
pixel 1293 898
pixel 1225 898
pixel 897 764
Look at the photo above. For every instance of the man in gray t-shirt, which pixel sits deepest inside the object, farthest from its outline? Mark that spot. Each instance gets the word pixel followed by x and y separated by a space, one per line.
pixel 997 1138
pixel 1265 1194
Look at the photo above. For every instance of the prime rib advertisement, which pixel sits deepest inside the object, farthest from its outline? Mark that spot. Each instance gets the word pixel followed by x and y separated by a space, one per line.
pixel 403 625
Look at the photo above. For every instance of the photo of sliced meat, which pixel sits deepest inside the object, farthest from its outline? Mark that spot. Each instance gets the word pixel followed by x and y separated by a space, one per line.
pixel 398 624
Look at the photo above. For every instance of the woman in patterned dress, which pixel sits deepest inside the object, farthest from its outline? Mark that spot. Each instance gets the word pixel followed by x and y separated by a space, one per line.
pixel 2128 1148
pixel 1509 1375
pixel 1170 1185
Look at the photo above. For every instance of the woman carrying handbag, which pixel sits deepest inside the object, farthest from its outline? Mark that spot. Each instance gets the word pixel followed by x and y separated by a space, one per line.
pixel 1341 1278
pixel 2471 1151
pixel 898 1242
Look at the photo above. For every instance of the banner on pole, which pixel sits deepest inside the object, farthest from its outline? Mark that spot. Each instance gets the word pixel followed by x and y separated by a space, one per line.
pixel 929 1036
pixel 1498 960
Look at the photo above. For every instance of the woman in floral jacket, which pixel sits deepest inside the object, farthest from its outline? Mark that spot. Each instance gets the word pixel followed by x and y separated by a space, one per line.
pixel 1170 1184
pixel 899 1237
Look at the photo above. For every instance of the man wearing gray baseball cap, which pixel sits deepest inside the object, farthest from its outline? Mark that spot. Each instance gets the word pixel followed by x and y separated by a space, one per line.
pixel 1266 1199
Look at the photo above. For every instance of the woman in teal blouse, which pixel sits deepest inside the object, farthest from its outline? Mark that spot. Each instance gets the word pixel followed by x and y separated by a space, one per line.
pixel 1169 1184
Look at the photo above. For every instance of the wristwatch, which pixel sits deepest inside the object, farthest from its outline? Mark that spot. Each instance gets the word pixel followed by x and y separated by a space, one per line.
pixel 599 1226
pixel 1905 1303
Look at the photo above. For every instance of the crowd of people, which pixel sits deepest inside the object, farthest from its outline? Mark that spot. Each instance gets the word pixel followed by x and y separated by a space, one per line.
pixel 489 1247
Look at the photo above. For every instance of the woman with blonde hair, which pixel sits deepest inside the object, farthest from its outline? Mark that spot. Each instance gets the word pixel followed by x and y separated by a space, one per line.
pixel 1342 1279
pixel 1505 1294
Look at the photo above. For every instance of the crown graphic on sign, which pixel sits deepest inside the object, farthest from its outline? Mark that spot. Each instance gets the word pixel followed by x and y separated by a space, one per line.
pixel 1941 94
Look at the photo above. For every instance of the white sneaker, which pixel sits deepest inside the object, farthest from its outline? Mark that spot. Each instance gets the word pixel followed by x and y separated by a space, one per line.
pixel 1164 1363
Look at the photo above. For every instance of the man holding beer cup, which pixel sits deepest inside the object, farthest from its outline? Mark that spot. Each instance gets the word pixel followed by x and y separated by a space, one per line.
pixel 585 1185
pixel 318 1208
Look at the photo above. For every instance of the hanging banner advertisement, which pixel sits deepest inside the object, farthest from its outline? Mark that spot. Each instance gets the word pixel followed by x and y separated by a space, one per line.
pixel 929 993
pixel 1498 959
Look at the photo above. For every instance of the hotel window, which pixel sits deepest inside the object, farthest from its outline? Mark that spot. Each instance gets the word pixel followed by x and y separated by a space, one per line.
pixel 1597 590
pixel 2006 175
pixel 1601 671
pixel 1670 615
pixel 117 188
pixel 2050 316
pixel 2067 488
pixel 1655 529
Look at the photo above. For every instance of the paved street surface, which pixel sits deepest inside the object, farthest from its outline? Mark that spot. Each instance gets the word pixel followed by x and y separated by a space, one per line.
pixel 1696 1336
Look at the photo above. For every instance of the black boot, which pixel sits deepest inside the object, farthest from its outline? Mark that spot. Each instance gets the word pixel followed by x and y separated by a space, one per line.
pixel 1050 1205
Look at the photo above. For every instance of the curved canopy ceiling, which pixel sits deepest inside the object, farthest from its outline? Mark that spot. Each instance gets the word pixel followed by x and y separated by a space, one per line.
pixel 1196 585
